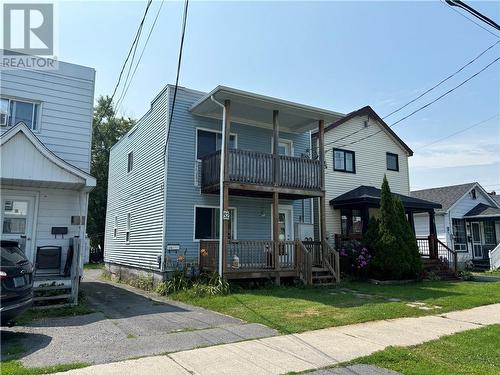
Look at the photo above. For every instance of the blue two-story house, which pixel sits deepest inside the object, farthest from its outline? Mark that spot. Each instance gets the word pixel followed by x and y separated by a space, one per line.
pixel 248 154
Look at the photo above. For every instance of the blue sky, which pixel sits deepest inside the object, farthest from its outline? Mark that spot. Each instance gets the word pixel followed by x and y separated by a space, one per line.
pixel 336 55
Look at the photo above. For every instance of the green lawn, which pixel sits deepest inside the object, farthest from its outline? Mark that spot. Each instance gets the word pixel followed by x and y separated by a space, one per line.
pixel 298 309
pixel 93 266
pixel 472 352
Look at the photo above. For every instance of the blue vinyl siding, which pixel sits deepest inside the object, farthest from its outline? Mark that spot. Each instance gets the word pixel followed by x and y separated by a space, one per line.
pixel 253 214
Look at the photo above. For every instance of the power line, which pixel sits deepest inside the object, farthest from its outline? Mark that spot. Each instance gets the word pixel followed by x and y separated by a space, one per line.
pixel 458 132
pixel 470 19
pixel 422 107
pixel 442 81
pixel 125 63
pixel 474 12
pixel 184 19
pixel 140 56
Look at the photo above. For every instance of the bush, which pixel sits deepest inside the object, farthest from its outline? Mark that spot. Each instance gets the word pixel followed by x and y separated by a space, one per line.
pixel 205 285
pixel 355 259
pixel 395 248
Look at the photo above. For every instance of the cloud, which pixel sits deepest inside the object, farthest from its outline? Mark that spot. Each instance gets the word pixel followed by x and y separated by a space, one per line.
pixel 461 153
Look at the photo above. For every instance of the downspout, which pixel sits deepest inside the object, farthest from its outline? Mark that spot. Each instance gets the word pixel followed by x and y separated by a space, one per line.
pixel 221 182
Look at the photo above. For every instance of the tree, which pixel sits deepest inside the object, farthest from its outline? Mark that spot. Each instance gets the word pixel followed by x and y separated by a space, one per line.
pixel 396 253
pixel 107 129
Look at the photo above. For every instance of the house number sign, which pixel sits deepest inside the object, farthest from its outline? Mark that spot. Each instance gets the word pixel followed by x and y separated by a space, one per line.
pixel 227 216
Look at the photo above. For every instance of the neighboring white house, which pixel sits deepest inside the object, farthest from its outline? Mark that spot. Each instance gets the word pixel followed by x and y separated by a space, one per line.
pixel 468 222
pixel 360 149
pixel 45 145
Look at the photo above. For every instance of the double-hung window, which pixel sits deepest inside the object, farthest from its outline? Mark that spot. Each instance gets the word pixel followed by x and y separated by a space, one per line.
pixel 343 161
pixel 207 142
pixel 13 112
pixel 392 162
pixel 207 223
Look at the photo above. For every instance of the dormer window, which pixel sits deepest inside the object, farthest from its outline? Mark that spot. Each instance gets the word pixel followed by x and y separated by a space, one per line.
pixel 12 112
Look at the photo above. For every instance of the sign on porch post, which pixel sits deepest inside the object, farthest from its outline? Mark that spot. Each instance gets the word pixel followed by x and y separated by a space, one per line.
pixel 227 215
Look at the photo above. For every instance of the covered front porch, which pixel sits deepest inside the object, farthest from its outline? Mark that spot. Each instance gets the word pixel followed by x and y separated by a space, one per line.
pixel 357 206
pixel 280 175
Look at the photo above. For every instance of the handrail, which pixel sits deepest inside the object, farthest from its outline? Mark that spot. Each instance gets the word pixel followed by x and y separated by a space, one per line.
pixel 494 256
pixel 449 251
pixel 332 260
pixel 304 264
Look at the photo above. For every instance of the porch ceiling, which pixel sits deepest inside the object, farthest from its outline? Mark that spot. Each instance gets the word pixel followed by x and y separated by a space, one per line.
pixel 257 110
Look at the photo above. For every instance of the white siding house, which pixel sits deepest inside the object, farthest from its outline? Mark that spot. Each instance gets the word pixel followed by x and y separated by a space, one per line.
pixel 360 150
pixel 45 142
pixel 468 222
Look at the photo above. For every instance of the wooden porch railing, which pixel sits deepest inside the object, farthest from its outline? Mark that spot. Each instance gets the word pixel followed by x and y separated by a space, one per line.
pixel 431 247
pixel 332 260
pixel 252 167
pixel 258 255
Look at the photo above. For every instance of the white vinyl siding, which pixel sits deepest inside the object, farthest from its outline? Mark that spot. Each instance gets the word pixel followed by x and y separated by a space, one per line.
pixel 65 100
pixel 370 164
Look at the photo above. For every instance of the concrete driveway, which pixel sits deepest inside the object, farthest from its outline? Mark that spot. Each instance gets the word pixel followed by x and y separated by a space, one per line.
pixel 127 323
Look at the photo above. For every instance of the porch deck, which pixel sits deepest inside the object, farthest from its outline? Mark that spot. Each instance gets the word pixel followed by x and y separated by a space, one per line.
pixel 249 259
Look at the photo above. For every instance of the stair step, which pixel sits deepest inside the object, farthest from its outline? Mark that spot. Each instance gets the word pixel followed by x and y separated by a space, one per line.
pixel 323 277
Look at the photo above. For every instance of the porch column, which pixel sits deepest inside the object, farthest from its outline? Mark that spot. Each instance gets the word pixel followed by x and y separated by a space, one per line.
pixel 276 155
pixel 276 235
pixel 432 236
pixel 411 220
pixel 322 203
pixel 276 179
pixel 225 227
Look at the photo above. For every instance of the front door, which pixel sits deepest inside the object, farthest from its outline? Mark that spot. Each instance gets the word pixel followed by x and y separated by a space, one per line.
pixel 286 251
pixel 477 247
pixel 16 221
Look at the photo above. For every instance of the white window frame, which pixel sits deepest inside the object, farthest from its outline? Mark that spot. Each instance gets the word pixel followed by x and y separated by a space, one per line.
pixel 234 227
pixel 283 140
pixel 212 131
pixel 127 231
pixel 36 104
pixel 115 227
pixel 129 164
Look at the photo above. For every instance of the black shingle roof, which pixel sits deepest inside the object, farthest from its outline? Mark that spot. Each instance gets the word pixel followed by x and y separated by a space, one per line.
pixel 482 211
pixel 446 195
pixel 371 195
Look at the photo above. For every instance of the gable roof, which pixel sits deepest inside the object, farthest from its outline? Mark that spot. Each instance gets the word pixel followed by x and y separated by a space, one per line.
pixel 496 198
pixel 447 196
pixel 371 195
pixel 483 211
pixel 368 111
pixel 58 167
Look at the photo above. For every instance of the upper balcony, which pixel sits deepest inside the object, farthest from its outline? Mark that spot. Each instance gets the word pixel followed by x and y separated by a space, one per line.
pixel 259 174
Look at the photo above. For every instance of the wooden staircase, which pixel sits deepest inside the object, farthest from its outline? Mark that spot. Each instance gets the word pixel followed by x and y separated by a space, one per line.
pixel 322 276
pixel 319 264
pixel 440 269
pixel 481 265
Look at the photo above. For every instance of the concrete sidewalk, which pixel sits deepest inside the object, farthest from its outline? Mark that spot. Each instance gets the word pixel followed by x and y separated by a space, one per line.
pixel 304 351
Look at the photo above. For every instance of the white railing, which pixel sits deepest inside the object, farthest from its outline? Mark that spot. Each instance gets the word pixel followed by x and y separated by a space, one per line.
pixel 494 256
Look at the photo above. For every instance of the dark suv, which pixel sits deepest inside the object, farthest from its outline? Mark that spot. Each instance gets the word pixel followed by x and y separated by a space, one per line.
pixel 16 277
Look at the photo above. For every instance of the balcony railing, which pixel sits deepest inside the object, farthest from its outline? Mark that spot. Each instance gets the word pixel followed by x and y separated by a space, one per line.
pixel 257 168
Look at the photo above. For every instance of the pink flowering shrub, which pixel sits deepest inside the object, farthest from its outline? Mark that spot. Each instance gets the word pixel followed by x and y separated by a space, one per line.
pixel 355 259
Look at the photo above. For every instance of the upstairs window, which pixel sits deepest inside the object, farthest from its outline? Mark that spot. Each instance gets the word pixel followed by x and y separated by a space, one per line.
pixel 13 112
pixel 392 162
pixel 207 142
pixel 130 161
pixel 343 161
